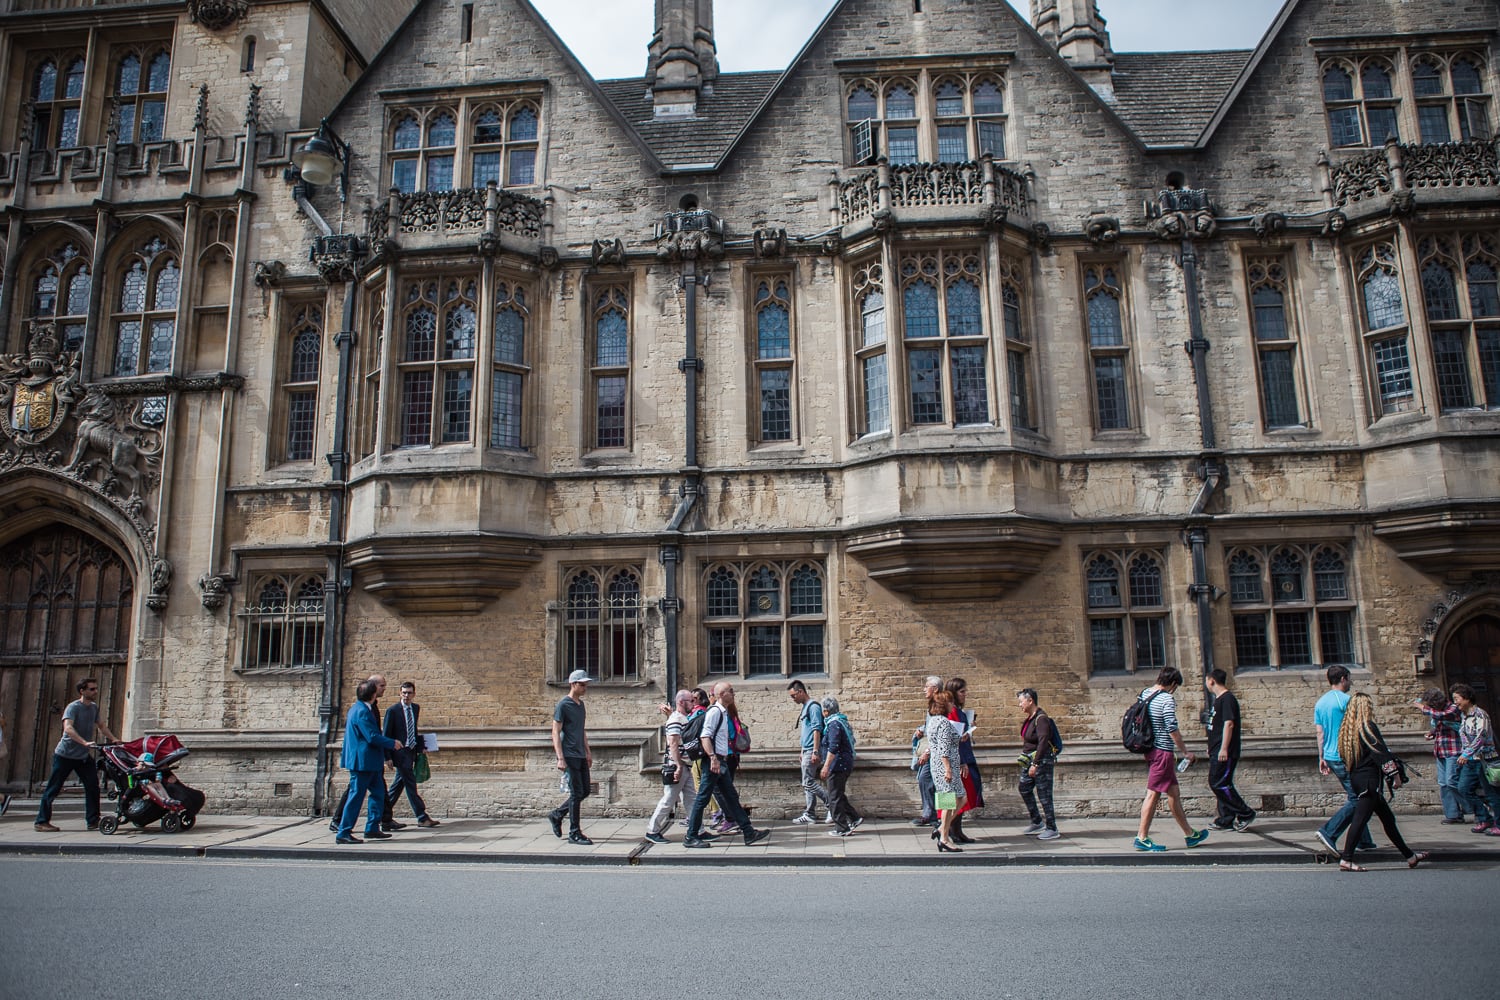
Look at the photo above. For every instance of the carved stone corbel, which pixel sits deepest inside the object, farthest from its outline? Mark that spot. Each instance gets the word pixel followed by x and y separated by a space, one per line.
pixel 1269 224
pixel 215 588
pixel 1403 202
pixel 216 15
pixel 770 242
pixel 1334 224
pixel 161 584
pixel 604 253
pixel 883 220
pixel 1041 238
pixel 548 258
pixel 832 245
pixel 269 273
pixel 993 217
pixel 489 245
pixel 1102 230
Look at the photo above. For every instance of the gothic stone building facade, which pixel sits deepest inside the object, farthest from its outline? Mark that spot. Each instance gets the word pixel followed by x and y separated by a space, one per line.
pixel 966 345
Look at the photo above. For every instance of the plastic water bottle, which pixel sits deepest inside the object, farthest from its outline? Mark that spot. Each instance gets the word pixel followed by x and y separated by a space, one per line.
pixel 1184 764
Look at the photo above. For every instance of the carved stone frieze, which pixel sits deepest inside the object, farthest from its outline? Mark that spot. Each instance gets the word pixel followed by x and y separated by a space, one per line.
pixel 337 257
pixel 269 273
pixel 1453 599
pixel 690 246
pixel 216 15
pixel 1451 164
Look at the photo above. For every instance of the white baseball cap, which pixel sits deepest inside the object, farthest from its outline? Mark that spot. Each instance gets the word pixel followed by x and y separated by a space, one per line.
pixel 580 677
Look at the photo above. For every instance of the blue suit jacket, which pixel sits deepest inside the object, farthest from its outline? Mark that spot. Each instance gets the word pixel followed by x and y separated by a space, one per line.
pixel 364 746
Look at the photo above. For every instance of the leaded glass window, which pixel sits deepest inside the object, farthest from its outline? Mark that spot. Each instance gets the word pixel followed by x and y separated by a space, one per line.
pixel 769 617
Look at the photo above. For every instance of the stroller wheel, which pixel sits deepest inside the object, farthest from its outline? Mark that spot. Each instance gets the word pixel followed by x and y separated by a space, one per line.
pixel 171 822
pixel 188 821
pixel 109 824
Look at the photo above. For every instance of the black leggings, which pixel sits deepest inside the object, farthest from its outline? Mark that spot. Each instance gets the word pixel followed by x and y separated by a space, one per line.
pixel 1367 803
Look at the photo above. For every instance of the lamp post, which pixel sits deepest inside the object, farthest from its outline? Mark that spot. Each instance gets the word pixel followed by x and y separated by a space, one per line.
pixel 317 162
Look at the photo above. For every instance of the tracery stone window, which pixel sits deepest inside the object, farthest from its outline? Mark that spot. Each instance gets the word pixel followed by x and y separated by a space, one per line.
pixel 57 86
pixel 466 143
pixel 299 387
pixel 1385 333
pixel 764 619
pixel 872 372
pixel 1109 345
pixel 1459 299
pixel 602 622
pixel 1450 96
pixel 510 365
pixel 1274 327
pixel 60 285
pixel 281 625
pixel 926 116
pixel 610 373
pixel 945 338
pixel 371 355
pixel 1361 99
pixel 1127 610
pixel 1293 606
pixel 439 328
pixel 141 79
pixel 773 366
pixel 1019 358
pixel 144 321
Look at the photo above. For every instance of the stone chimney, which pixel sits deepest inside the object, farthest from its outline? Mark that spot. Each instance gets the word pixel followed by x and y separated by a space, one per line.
pixel 1076 30
pixel 682 64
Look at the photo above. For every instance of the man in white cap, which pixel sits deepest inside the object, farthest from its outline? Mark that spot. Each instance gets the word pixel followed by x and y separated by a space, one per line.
pixel 571 743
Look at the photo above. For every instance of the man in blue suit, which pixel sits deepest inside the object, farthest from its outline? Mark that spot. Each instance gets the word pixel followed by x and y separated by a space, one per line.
pixel 364 755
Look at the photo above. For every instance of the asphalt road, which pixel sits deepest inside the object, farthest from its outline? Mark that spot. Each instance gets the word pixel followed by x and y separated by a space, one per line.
pixel 74 928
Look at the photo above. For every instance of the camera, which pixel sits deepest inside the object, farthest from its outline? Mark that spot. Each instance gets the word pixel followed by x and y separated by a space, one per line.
pixel 668 773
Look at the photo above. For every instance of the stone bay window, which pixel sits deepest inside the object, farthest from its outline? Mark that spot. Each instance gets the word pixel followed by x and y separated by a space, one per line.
pixel 944 335
pixel 1384 320
pixel 1459 298
pixel 439 330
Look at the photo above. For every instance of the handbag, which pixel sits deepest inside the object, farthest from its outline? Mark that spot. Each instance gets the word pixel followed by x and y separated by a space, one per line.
pixel 1491 766
pixel 741 738
pixel 945 800
pixel 420 769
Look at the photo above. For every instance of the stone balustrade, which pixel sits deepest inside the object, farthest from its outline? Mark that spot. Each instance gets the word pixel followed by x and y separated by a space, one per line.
pixel 980 184
pixel 1409 166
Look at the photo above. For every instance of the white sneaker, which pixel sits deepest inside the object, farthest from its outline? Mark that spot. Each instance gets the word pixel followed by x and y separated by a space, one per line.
pixel 804 819
pixel 1033 830
pixel 1049 834
pixel 827 818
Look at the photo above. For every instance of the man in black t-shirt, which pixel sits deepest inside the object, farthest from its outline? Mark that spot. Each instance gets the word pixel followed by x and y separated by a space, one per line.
pixel 571 742
pixel 1224 755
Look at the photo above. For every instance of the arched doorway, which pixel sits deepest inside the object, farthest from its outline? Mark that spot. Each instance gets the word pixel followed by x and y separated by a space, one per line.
pixel 65 614
pixel 1472 656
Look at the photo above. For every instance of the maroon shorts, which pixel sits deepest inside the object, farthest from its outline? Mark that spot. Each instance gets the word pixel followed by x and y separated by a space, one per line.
pixel 1163 776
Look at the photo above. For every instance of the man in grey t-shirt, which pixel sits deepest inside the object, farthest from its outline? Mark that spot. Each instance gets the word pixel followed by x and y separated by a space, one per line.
pixel 571 742
pixel 80 723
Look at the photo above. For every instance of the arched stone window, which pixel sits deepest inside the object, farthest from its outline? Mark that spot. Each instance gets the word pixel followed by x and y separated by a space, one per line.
pixel 144 321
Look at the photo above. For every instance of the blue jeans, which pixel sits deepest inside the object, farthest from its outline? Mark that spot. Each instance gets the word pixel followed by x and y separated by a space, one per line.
pixel 720 786
pixel 361 784
pixel 1447 779
pixel 1483 797
pixel 87 776
pixel 1340 820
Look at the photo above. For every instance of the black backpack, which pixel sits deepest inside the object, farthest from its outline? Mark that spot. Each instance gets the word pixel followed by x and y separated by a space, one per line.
pixel 1136 732
pixel 692 736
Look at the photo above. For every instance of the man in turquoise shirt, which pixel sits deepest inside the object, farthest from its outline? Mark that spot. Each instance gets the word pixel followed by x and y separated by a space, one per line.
pixel 1328 716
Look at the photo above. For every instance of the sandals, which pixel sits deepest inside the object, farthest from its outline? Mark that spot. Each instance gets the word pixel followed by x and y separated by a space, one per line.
pixel 1417 859
pixel 1350 866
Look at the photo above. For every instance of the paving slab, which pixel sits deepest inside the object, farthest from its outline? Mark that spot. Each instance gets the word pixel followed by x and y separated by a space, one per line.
pixel 878 842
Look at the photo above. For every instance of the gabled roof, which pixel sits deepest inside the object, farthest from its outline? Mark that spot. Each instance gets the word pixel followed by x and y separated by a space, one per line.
pixel 1168 98
pixel 702 140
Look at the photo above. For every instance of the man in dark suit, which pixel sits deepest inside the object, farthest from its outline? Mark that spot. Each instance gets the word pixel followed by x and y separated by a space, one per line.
pixel 401 725
pixel 365 748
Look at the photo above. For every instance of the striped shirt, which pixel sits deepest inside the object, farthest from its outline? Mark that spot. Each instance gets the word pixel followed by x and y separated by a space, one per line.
pixel 1163 710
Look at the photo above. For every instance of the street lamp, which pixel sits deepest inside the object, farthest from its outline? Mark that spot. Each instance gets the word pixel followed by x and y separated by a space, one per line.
pixel 324 157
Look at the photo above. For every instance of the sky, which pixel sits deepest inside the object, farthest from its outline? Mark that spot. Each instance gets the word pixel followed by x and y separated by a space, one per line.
pixel 610 36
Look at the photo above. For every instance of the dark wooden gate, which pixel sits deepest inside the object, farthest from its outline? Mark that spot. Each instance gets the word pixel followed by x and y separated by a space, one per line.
pixel 1472 656
pixel 65 614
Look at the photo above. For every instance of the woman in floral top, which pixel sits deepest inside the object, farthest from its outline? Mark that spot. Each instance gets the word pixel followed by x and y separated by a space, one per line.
pixel 1476 745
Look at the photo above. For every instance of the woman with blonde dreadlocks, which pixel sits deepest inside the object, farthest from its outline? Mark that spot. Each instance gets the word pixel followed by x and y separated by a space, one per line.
pixel 1365 754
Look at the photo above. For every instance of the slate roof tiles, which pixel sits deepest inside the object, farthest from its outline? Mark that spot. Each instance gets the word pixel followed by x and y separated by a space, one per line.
pixel 1168 98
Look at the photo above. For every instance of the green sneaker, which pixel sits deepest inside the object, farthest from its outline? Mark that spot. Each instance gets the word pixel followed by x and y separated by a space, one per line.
pixel 1148 845
pixel 1193 840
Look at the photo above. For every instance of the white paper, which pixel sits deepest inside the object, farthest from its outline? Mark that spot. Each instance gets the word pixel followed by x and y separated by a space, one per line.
pixel 429 742
pixel 959 728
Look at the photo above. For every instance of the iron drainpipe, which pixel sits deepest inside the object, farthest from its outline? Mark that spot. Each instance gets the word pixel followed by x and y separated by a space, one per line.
pixel 1200 589
pixel 671 554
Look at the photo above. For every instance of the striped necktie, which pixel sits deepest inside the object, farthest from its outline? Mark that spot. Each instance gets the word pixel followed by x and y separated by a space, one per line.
pixel 411 727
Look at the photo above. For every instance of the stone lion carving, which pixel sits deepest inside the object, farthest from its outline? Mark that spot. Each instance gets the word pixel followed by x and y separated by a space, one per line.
pixel 98 430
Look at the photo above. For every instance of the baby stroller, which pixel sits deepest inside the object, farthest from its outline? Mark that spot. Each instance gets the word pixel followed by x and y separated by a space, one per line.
pixel 138 776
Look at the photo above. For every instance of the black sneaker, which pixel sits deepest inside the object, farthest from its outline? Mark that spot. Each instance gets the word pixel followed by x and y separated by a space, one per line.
pixel 657 838
pixel 392 826
pixel 578 838
pixel 1243 823
pixel 695 842
pixel 1221 826
pixel 333 826
pixel 377 835
pixel 754 836
pixel 347 840
pixel 556 822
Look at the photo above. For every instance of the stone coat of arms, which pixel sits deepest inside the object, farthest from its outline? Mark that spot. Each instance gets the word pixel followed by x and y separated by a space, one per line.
pixel 40 387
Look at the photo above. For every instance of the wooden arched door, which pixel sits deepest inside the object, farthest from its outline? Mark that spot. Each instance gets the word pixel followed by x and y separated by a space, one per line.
pixel 1472 656
pixel 65 614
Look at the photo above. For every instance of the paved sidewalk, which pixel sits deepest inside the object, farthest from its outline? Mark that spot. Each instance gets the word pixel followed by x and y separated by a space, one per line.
pixel 1272 841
